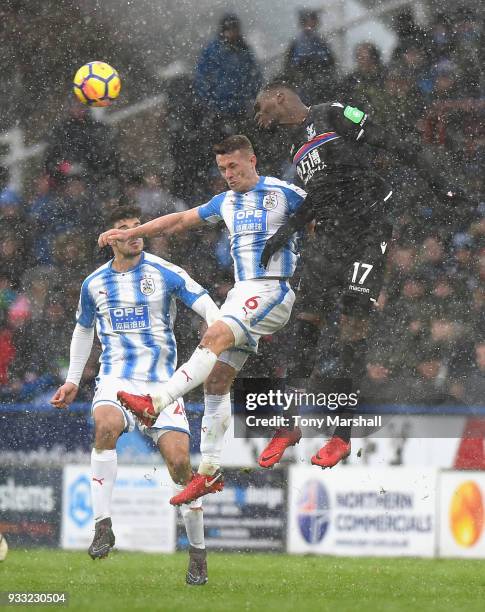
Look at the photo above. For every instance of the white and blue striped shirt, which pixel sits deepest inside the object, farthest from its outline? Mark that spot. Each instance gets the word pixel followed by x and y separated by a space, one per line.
pixel 134 313
pixel 253 217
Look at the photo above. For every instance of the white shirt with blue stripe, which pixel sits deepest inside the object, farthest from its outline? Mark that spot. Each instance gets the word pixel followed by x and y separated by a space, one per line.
pixel 134 314
pixel 252 217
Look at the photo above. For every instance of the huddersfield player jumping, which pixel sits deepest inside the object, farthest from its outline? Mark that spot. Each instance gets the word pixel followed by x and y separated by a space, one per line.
pixel 349 202
pixel 260 303
pixel 131 300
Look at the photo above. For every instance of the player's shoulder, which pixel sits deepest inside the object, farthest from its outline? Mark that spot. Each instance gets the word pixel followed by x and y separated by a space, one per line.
pixel 216 201
pixel 98 273
pixel 326 111
pixel 163 265
pixel 323 107
pixel 174 278
pixel 271 183
pixel 220 197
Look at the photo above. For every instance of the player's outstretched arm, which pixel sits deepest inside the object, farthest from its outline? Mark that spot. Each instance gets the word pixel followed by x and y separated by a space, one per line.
pixel 352 123
pixel 423 161
pixel 174 223
pixel 81 344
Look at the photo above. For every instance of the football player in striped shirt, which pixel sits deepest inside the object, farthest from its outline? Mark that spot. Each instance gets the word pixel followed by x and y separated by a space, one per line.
pixel 131 300
pixel 259 304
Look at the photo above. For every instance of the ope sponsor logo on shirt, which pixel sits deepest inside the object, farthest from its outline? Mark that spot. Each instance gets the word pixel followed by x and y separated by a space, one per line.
pixel 253 220
pixel 130 318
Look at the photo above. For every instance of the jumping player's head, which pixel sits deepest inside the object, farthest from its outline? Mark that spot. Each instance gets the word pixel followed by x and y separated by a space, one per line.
pixel 123 217
pixel 278 103
pixel 236 161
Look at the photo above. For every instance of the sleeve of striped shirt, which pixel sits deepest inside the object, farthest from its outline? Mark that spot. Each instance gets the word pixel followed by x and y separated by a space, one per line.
pixel 86 311
pixel 294 197
pixel 187 289
pixel 211 211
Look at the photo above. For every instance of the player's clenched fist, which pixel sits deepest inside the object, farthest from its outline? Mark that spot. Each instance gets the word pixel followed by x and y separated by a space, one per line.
pixel 65 395
pixel 109 237
pixel 276 242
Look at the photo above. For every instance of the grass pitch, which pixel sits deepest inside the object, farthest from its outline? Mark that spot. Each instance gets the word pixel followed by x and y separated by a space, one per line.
pixel 243 582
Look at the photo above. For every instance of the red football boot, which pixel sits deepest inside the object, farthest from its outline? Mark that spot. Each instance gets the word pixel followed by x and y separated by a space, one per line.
pixel 331 453
pixel 140 405
pixel 198 486
pixel 282 439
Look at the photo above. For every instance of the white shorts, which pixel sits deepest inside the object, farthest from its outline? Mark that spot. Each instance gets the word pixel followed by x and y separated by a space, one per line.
pixel 252 309
pixel 171 419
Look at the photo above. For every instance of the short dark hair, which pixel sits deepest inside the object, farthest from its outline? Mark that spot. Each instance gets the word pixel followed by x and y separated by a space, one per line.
pixel 123 211
pixel 278 84
pixel 233 143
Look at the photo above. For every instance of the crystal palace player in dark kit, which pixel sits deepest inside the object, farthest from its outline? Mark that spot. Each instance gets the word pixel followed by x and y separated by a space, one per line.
pixel 349 202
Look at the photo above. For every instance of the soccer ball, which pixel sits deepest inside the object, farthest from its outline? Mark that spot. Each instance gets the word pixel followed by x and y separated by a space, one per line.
pixel 97 84
pixel 3 548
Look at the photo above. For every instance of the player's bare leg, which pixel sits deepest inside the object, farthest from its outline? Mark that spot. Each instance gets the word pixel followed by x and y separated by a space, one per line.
pixel 215 422
pixel 218 338
pixel 109 425
pixel 174 448
pixel 353 336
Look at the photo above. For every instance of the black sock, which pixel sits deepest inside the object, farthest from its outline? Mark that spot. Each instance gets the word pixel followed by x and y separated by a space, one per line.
pixel 302 352
pixel 354 356
pixel 343 431
pixel 353 367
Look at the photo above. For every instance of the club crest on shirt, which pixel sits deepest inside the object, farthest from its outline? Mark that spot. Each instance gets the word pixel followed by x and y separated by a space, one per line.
pixel 147 285
pixel 310 131
pixel 270 200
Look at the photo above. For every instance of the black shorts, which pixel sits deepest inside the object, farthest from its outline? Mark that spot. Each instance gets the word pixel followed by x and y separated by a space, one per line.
pixel 347 267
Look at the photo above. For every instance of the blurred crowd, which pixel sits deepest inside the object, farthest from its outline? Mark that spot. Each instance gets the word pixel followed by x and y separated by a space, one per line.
pixel 428 339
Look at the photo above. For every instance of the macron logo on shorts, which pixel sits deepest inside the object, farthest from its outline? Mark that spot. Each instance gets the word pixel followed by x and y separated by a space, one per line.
pixel 383 247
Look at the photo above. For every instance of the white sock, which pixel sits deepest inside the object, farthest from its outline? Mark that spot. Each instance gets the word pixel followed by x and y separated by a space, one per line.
pixel 215 422
pixel 189 376
pixel 193 518
pixel 104 465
